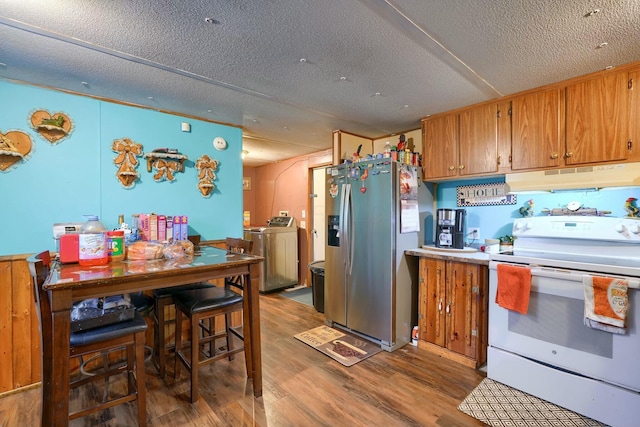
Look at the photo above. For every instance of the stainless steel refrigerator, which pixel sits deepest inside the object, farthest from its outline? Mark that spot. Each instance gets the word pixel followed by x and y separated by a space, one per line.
pixel 372 218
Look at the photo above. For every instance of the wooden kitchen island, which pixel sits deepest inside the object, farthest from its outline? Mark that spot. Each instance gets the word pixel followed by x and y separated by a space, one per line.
pixel 72 282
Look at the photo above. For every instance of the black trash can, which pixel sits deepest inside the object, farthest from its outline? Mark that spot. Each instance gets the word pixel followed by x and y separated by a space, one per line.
pixel 317 282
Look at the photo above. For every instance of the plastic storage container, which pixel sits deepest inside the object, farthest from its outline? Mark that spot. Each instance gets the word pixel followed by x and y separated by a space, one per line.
pixel 92 243
pixel 115 245
pixel 317 282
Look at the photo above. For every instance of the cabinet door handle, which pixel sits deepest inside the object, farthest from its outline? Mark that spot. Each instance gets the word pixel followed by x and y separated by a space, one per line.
pixel 554 156
pixel 569 154
pixel 452 168
pixel 449 308
pixel 461 167
pixel 440 306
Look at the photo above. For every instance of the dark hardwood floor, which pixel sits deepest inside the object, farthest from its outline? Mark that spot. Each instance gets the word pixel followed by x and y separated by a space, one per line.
pixel 302 387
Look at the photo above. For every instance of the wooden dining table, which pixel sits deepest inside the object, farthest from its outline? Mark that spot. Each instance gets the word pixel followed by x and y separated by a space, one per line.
pixel 72 282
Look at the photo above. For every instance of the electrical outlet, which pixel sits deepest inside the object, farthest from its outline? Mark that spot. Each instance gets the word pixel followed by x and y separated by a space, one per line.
pixel 473 233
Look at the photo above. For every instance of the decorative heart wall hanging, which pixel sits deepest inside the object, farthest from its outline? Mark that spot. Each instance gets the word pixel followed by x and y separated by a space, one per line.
pixel 15 146
pixel 53 127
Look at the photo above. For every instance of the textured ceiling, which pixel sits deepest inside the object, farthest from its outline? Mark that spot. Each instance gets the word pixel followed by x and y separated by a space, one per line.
pixel 371 67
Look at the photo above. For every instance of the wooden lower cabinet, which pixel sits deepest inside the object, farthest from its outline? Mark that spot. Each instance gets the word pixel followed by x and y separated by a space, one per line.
pixel 452 312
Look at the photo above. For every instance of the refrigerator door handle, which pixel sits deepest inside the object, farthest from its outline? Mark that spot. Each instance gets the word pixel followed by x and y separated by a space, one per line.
pixel 343 228
pixel 349 227
pixel 345 207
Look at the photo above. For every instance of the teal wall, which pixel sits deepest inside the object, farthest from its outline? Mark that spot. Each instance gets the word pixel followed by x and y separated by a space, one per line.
pixel 64 181
pixel 496 221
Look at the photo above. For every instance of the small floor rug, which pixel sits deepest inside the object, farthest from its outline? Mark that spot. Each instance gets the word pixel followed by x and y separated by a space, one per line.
pixel 303 295
pixel 499 405
pixel 341 346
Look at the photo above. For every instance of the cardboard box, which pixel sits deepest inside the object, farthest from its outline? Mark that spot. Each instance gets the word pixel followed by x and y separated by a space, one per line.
pixel 144 226
pixel 169 231
pixel 176 227
pixel 153 226
pixel 162 228
pixel 184 227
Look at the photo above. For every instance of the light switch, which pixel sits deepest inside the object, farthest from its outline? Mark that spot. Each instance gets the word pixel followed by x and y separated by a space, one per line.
pixel 304 213
pixel 303 224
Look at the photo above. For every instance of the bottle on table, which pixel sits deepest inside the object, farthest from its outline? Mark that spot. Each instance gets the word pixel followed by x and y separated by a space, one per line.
pixel 92 243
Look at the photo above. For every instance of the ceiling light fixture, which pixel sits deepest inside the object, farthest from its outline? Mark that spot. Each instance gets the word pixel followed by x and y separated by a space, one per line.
pixel 601 45
pixel 303 60
pixel 211 20
pixel 343 78
pixel 377 94
pixel 151 98
pixel 591 13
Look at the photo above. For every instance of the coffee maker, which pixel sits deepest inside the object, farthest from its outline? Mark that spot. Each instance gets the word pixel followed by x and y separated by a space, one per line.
pixel 450 228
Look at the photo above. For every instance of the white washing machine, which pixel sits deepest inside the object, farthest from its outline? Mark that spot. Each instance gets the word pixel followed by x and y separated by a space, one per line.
pixel 278 244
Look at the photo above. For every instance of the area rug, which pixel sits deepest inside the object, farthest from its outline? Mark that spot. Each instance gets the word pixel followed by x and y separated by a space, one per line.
pixel 303 295
pixel 499 405
pixel 341 346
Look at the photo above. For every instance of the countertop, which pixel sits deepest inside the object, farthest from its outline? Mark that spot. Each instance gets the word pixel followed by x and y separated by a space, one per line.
pixel 476 257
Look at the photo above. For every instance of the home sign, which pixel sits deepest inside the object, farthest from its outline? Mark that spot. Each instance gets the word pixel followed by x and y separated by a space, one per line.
pixel 484 195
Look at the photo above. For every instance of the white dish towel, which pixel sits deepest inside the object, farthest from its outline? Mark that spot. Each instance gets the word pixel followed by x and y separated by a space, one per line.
pixel 606 303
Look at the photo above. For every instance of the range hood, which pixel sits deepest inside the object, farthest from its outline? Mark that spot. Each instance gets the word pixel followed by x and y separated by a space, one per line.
pixel 583 177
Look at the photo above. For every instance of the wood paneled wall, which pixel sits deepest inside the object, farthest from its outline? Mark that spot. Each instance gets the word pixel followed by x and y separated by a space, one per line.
pixel 19 334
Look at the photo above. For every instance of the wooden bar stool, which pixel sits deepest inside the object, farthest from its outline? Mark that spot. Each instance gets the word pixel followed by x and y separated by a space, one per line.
pixel 163 297
pixel 129 334
pixel 206 304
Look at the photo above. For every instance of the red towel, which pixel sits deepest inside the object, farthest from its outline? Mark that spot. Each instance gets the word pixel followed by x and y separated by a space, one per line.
pixel 514 287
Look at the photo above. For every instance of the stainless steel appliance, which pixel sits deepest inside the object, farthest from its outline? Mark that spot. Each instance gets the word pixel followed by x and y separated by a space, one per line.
pixel 368 286
pixel 549 352
pixel 278 244
pixel 450 228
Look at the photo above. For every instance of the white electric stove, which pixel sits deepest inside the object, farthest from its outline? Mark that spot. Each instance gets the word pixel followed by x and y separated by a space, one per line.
pixel 549 352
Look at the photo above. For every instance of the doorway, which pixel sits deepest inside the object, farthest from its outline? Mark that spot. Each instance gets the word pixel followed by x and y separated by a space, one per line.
pixel 318 218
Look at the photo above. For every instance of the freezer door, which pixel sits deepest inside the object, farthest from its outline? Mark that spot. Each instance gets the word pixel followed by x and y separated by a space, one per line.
pixel 335 251
pixel 370 290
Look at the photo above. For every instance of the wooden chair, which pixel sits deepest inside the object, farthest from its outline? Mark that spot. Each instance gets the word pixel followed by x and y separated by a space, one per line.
pixel 128 334
pixel 202 305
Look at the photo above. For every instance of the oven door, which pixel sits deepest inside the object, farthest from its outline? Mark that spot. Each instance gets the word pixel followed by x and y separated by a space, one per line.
pixel 553 331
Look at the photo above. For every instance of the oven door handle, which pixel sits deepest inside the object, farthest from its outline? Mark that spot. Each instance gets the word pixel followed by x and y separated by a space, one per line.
pixel 576 276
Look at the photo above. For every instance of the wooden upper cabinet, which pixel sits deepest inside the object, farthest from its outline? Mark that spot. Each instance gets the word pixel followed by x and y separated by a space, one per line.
pixel 478 145
pixel 461 144
pixel 440 146
pixel 537 139
pixel 597 119
pixel 634 115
